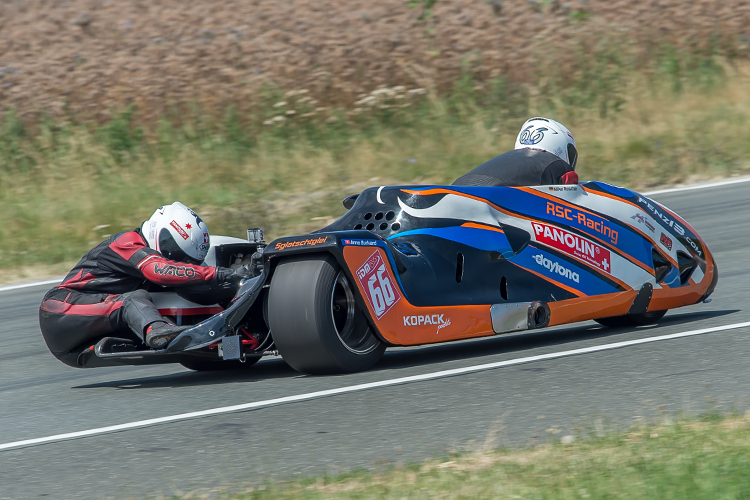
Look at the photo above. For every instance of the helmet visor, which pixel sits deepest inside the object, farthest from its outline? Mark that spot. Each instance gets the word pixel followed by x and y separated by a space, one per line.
pixel 171 250
pixel 572 155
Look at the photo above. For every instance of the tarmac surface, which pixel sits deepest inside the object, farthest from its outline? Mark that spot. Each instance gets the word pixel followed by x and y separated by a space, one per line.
pixel 515 405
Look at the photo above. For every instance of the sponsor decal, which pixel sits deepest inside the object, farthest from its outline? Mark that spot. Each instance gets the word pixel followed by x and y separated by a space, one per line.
pixel 574 245
pixel 152 231
pixel 530 136
pixel 205 237
pixel 378 283
pixel 361 243
pixel 443 325
pixel 179 230
pixel 309 242
pixel 563 188
pixel 666 241
pixel 428 319
pixel 555 267
pixel 694 245
pixel 170 270
pixel 198 220
pixel 642 220
pixel 582 218
pixel 657 211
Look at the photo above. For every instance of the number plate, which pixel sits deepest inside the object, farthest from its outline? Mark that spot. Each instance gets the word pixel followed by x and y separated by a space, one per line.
pixel 231 347
pixel 379 285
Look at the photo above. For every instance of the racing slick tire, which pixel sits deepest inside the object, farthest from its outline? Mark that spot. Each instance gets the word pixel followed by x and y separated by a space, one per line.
pixel 640 319
pixel 315 321
pixel 210 365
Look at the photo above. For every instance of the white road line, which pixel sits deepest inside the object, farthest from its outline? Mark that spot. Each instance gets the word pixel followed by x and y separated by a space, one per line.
pixel 362 387
pixel 699 186
pixel 29 285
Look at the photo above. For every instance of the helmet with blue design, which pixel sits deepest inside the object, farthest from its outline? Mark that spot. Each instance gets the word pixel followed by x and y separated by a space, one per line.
pixel 548 135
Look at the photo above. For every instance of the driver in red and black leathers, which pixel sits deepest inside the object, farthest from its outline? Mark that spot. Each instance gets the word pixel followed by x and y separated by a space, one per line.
pixel 104 294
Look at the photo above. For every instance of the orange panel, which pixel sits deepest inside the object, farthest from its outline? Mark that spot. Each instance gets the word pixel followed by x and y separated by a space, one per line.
pixel 482 226
pixel 400 322
pixel 669 298
pixel 611 196
pixel 584 308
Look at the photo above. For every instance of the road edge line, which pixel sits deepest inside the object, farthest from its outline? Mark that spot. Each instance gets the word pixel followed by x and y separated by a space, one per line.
pixel 361 387
pixel 698 186
pixel 55 281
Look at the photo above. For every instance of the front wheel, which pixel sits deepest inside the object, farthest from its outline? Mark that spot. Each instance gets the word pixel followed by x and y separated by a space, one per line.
pixel 315 321
pixel 641 319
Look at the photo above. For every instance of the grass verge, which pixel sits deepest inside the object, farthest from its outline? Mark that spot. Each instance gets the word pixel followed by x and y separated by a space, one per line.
pixel 694 459
pixel 64 187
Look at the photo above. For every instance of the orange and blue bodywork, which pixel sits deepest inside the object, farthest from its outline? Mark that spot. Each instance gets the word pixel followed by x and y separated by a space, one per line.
pixel 439 263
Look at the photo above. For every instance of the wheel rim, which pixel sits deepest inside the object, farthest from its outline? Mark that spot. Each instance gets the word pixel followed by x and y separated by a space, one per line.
pixel 350 326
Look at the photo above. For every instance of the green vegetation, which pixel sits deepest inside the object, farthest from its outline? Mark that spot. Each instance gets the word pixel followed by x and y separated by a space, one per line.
pixel 286 165
pixel 704 459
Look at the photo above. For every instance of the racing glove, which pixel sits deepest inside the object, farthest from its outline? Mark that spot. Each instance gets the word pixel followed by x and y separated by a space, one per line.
pixel 234 276
pixel 256 263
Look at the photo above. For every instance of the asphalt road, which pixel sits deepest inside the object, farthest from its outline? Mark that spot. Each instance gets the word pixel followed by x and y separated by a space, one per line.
pixel 514 405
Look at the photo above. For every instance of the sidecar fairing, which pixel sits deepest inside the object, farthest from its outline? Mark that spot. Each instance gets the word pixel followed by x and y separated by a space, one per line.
pixel 429 264
pixel 409 265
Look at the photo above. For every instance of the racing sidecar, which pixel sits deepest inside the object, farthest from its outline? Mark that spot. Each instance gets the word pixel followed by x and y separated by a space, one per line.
pixel 410 265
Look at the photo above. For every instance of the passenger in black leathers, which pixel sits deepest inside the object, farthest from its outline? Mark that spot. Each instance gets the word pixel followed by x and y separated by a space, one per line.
pixel 545 153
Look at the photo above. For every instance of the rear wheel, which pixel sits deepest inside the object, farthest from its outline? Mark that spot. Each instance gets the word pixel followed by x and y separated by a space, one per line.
pixel 315 321
pixel 641 319
pixel 211 365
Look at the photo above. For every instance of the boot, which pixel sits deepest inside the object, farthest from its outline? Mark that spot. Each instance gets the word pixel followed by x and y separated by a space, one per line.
pixel 159 334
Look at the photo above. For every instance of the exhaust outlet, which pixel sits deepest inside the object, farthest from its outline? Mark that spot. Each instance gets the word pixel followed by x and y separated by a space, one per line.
pixel 519 316
pixel 538 315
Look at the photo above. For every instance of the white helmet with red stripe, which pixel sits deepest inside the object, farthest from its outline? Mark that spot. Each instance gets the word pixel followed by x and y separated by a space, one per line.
pixel 177 233
pixel 548 135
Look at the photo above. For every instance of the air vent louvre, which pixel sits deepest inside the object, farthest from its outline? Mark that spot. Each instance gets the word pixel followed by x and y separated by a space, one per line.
pixel 687 265
pixel 661 265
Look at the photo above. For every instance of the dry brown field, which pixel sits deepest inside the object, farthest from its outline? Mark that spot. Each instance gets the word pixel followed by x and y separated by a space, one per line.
pixel 88 58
